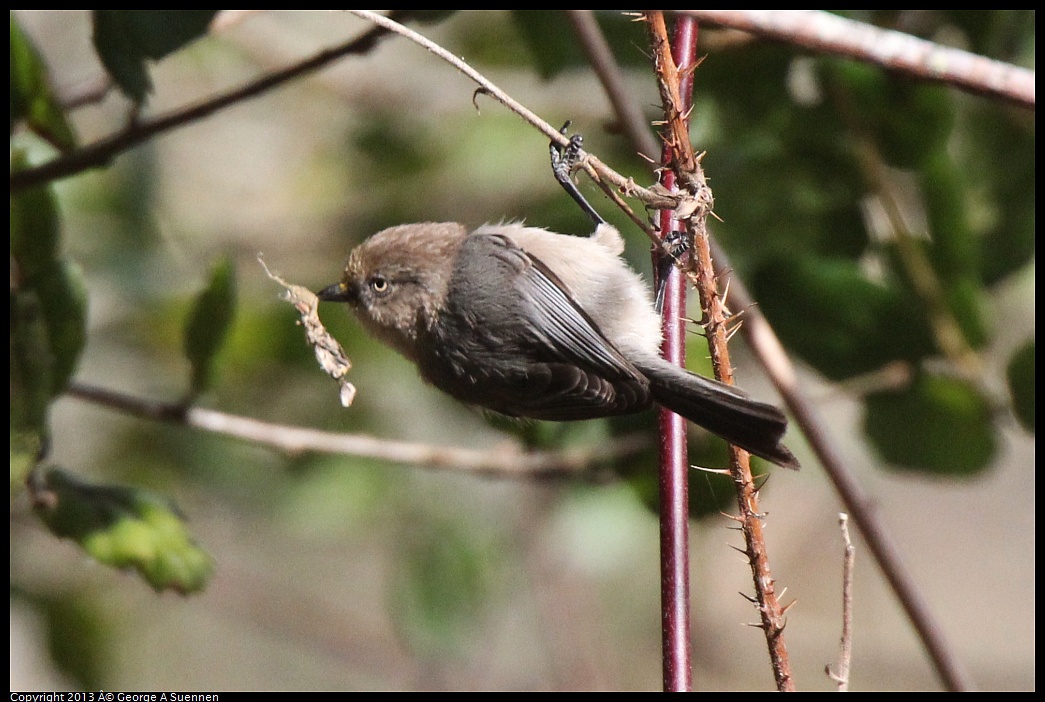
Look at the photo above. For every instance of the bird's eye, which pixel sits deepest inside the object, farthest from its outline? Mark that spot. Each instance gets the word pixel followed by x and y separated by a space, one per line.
pixel 379 284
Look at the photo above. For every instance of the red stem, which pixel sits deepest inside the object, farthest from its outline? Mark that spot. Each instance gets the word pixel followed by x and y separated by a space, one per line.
pixel 674 465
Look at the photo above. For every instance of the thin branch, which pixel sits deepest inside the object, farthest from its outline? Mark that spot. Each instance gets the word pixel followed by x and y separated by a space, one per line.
pixel 771 354
pixel 674 462
pixel 690 174
pixel 103 151
pixel 825 33
pixel 650 198
pixel 507 461
pixel 845 654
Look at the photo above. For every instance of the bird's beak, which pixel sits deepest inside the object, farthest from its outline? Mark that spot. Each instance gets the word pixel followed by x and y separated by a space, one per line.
pixel 338 292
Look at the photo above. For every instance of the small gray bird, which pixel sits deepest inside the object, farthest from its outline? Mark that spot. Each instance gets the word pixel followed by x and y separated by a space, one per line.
pixel 530 323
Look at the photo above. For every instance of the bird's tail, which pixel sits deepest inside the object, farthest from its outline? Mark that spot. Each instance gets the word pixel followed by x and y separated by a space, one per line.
pixel 754 426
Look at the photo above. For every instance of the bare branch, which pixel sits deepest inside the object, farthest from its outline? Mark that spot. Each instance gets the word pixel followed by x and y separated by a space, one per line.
pixel 103 151
pixel 823 32
pixel 845 655
pixel 507 461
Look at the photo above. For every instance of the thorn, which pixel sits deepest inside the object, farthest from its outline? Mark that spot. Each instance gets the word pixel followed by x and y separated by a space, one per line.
pixel 476 94
pixel 749 598
pixel 786 608
pixel 732 332
pixel 725 291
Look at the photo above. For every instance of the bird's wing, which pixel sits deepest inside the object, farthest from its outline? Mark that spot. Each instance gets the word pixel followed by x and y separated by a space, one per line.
pixel 548 359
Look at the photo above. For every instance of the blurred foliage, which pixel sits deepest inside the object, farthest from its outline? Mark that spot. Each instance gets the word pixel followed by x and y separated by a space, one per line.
pixel 956 434
pixel 208 324
pixel 439 595
pixel 126 39
pixel 1021 384
pixel 32 100
pixel 125 528
pixel 810 158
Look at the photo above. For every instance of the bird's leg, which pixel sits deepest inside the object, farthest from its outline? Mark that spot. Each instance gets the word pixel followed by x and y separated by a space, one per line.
pixel 564 159
pixel 676 245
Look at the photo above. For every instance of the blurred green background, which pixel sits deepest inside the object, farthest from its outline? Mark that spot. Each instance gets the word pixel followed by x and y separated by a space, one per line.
pixel 886 228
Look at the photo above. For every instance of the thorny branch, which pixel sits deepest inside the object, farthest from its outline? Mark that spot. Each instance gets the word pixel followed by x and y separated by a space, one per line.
pixel 771 354
pixel 691 176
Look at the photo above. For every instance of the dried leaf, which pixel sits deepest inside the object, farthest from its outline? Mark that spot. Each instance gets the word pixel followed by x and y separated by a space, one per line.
pixel 329 353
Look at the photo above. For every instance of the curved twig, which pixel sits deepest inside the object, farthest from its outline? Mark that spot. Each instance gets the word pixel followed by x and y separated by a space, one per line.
pixel 650 198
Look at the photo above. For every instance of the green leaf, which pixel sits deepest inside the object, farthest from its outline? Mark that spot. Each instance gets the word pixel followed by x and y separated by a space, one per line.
pixel 63 297
pixel 909 122
pixel 1002 148
pixel 838 320
pixel 125 39
pixel 939 425
pixel 955 249
pixel 553 43
pixel 1020 375
pixel 32 366
pixel 125 528
pixel 31 95
pixel 208 324
pixel 80 635
pixel 55 281
pixel 35 228
pixel 25 454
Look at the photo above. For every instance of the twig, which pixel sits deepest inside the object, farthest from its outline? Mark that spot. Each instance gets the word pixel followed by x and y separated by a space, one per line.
pixel 825 33
pixel 507 461
pixel 103 151
pixel 773 357
pixel 687 165
pixel 845 654
pixel 650 198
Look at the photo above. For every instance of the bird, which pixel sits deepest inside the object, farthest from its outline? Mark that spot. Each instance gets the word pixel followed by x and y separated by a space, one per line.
pixel 531 323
